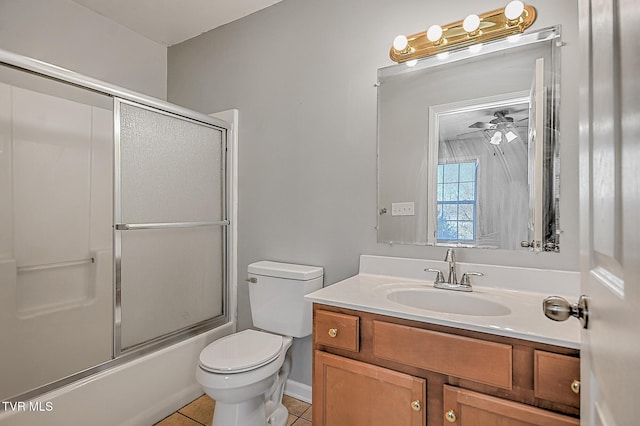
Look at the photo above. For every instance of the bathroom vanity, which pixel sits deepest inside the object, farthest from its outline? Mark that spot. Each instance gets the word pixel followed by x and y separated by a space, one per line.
pixel 483 358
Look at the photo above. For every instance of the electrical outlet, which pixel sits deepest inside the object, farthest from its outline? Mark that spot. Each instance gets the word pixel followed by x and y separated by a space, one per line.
pixel 402 209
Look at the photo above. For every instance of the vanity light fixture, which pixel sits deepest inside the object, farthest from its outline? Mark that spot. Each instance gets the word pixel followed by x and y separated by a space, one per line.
pixel 511 20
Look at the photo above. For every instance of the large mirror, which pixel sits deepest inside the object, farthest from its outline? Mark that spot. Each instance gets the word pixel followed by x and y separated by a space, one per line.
pixel 468 147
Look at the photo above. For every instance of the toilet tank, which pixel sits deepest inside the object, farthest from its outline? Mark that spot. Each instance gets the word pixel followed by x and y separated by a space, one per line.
pixel 276 294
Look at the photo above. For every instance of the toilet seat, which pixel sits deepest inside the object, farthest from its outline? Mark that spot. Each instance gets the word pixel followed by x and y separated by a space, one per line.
pixel 240 352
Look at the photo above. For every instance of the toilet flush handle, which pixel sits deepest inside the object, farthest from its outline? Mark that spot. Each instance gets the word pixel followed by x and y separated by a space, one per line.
pixel 252 280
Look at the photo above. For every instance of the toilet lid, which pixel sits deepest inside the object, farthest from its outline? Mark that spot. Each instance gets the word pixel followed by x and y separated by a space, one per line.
pixel 240 352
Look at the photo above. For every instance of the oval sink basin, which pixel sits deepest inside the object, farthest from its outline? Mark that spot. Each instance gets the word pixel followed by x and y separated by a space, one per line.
pixel 447 301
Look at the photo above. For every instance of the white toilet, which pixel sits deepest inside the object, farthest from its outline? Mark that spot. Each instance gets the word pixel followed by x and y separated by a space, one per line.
pixel 245 373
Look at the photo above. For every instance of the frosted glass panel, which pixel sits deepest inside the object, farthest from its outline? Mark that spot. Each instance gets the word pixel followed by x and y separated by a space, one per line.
pixel 171 279
pixel 171 169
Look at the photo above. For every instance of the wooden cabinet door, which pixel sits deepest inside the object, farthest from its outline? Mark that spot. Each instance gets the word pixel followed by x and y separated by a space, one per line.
pixel 353 393
pixel 467 408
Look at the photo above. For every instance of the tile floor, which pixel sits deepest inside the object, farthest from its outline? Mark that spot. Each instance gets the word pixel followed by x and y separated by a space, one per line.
pixel 200 413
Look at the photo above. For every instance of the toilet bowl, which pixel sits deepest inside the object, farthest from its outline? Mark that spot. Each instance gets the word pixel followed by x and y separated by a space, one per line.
pixel 237 371
pixel 246 372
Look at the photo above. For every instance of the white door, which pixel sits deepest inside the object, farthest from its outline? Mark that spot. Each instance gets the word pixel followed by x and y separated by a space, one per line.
pixel 610 210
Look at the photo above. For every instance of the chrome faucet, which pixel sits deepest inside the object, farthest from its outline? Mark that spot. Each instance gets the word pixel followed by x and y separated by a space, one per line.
pixel 452 281
pixel 451 258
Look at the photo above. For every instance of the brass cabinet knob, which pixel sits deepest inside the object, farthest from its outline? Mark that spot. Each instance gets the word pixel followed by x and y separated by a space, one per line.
pixel 333 332
pixel 450 416
pixel 415 405
pixel 575 387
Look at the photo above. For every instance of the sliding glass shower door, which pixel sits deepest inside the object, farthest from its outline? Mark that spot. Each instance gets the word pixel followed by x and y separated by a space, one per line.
pixel 113 226
pixel 170 224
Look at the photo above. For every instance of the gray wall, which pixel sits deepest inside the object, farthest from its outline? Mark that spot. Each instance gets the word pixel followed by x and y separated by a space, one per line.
pixel 302 74
pixel 71 36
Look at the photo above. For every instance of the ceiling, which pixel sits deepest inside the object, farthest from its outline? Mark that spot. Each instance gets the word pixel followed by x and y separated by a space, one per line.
pixel 169 22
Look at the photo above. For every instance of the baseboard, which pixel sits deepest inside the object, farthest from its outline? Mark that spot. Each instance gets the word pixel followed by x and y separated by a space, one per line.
pixel 298 390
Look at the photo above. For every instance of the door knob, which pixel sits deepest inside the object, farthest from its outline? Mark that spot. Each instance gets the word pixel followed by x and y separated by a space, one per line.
pixel 558 309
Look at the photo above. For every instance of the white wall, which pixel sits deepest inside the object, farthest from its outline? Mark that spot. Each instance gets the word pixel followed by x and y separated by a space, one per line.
pixel 302 74
pixel 71 36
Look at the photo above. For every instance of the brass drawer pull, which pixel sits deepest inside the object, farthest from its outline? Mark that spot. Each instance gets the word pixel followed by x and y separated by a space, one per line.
pixel 333 332
pixel 450 416
pixel 575 387
pixel 415 405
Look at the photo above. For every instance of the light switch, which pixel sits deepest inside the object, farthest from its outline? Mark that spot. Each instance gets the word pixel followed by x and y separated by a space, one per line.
pixel 402 209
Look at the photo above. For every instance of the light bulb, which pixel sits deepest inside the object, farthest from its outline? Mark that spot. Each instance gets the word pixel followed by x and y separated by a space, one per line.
pixel 475 48
pixel 434 33
pixel 400 43
pixel 412 63
pixel 496 138
pixel 471 23
pixel 514 10
pixel 510 136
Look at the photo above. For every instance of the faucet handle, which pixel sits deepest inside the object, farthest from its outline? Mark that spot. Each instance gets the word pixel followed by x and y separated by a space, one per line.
pixel 465 277
pixel 439 277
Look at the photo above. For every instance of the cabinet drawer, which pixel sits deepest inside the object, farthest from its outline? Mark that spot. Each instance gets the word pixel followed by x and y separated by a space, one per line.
pixel 557 378
pixel 465 407
pixel 337 330
pixel 483 362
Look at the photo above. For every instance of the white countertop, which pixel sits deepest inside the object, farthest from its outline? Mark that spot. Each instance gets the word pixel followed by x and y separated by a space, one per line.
pixel 368 292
